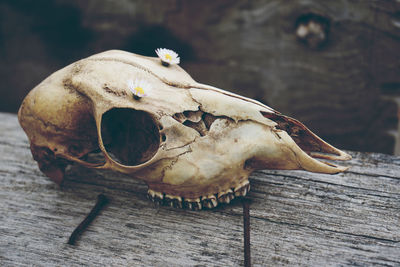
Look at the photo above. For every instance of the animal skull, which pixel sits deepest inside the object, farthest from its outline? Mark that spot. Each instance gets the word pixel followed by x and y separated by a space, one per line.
pixel 193 144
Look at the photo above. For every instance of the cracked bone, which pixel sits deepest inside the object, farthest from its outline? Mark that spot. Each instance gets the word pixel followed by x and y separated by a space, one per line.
pixel 186 140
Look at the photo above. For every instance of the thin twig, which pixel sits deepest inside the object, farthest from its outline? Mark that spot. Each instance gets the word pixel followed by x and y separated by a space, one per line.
pixel 246 231
pixel 102 201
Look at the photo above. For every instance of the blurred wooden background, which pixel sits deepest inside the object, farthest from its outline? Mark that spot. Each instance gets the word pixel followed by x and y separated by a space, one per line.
pixel 334 65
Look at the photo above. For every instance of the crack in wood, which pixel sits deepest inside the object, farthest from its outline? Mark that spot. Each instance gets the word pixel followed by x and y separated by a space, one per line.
pixel 328 230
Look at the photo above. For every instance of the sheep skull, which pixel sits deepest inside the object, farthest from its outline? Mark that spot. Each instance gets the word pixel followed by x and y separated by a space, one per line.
pixel 194 145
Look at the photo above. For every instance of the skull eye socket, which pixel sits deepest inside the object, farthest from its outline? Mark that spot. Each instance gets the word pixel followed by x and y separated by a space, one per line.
pixel 130 137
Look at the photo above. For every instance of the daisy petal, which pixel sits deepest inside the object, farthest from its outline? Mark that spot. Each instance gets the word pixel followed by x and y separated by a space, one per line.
pixel 139 88
pixel 168 56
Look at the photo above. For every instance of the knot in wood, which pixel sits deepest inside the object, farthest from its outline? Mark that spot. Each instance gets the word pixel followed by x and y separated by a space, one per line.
pixel 312 29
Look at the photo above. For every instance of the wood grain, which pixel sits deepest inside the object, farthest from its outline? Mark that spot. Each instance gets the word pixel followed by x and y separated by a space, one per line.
pixel 297 218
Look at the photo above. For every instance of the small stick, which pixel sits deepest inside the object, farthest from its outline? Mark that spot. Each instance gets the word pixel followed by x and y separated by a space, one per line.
pixel 102 201
pixel 246 231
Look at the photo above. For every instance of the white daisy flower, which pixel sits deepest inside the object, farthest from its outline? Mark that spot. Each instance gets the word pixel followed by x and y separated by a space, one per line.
pixel 167 56
pixel 139 88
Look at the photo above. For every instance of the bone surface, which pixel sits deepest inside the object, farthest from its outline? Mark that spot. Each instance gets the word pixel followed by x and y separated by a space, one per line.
pixel 193 144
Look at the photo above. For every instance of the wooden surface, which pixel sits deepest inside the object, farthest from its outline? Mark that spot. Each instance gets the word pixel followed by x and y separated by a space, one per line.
pixel 297 218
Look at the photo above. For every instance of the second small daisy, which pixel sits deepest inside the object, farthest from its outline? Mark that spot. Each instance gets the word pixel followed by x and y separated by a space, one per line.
pixel 167 56
pixel 139 88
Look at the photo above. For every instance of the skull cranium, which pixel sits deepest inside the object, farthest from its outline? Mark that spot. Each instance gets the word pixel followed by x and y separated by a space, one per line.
pixel 194 145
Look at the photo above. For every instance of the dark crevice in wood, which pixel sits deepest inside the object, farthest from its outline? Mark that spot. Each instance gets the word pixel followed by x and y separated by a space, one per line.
pixel 327 183
pixel 25 144
pixel 327 230
pixel 108 187
pixel 375 175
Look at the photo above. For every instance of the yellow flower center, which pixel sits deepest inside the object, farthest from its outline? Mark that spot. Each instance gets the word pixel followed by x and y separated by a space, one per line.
pixel 168 56
pixel 139 90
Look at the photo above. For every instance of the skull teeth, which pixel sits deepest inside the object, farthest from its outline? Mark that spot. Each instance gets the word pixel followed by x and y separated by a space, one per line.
pixel 208 201
pixel 173 201
pixel 156 197
pixel 226 196
pixel 242 189
pixel 192 204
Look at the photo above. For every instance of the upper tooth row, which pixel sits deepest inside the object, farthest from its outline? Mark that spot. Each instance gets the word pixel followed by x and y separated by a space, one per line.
pixel 209 201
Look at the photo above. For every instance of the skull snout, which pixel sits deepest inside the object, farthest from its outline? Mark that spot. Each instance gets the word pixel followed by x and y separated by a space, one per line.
pixel 302 146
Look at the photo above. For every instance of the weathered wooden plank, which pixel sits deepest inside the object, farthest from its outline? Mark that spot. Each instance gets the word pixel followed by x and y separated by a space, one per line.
pixel 297 218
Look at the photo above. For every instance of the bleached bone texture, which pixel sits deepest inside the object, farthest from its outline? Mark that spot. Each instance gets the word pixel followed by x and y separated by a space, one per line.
pixel 193 144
